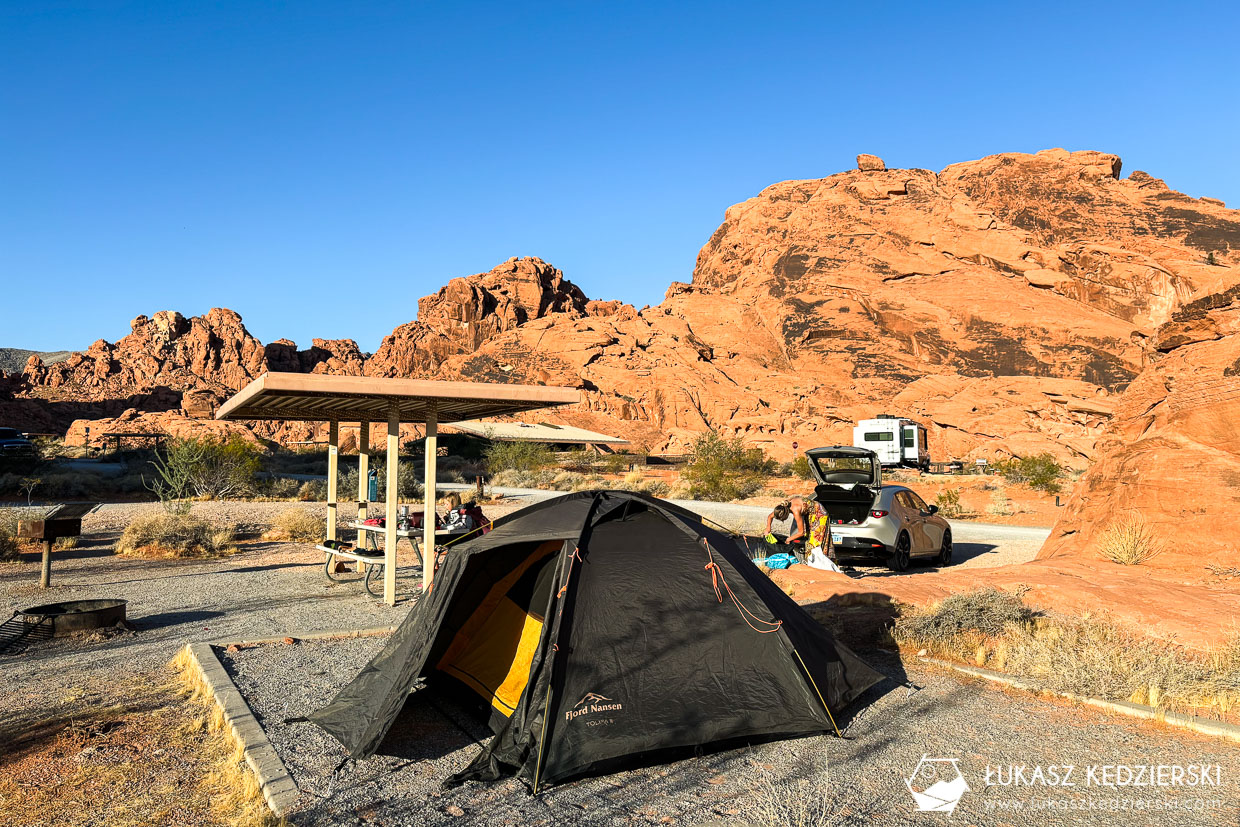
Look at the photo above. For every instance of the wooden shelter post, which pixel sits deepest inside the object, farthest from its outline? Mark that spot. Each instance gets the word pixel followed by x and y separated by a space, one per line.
pixel 363 469
pixel 428 506
pixel 389 532
pixel 333 456
pixel 363 479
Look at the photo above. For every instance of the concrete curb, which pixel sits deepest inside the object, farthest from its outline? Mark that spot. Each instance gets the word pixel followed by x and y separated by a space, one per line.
pixel 1202 726
pixel 279 790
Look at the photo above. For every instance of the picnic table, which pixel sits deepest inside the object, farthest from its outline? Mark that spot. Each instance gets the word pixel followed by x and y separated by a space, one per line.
pixel 367 552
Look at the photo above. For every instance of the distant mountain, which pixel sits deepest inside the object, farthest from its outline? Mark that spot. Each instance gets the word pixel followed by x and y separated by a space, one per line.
pixel 13 359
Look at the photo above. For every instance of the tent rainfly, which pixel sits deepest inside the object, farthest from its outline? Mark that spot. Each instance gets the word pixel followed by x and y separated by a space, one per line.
pixel 311 397
pixel 598 629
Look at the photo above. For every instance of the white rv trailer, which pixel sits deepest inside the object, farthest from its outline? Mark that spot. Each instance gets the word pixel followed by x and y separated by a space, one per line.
pixel 896 440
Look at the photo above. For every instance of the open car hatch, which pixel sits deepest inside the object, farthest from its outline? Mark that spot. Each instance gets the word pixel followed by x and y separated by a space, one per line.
pixel 844 465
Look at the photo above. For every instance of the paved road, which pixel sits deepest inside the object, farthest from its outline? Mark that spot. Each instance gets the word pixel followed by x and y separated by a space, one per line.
pixel 978 545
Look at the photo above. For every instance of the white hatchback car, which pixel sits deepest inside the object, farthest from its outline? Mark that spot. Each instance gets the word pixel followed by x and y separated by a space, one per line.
pixel 874 523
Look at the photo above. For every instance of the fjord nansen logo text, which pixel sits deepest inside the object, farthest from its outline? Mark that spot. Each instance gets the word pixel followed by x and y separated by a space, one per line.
pixel 591 703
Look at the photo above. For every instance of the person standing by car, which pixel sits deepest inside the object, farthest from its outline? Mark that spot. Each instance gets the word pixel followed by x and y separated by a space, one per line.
pixel 819 548
pixel 793 513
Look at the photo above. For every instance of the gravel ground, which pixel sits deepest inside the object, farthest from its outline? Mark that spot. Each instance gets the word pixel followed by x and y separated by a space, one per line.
pixel 816 781
pixel 265 590
pixel 274 589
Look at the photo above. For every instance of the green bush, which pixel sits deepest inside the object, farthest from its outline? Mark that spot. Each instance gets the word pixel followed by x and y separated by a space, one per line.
pixel 1040 472
pixel 618 463
pixel 580 461
pixel 518 456
pixel 722 468
pixel 948 501
pixel 204 468
pixel 799 468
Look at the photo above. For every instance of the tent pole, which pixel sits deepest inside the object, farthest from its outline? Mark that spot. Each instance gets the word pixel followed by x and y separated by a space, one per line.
pixel 830 717
pixel 363 480
pixel 333 451
pixel 428 507
pixel 389 526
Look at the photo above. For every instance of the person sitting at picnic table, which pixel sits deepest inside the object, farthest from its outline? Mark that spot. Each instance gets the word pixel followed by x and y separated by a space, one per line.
pixel 793 513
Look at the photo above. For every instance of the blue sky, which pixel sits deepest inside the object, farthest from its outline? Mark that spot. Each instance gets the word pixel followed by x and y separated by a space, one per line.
pixel 319 166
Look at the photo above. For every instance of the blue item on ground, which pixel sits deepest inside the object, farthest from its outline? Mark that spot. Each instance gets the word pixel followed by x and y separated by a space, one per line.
pixel 780 561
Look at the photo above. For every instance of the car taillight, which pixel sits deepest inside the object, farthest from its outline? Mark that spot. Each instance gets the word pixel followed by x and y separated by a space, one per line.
pixel 876 513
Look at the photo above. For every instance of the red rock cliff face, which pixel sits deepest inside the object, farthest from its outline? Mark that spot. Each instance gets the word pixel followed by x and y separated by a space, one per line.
pixel 470 311
pixel 1172 455
pixel 1006 302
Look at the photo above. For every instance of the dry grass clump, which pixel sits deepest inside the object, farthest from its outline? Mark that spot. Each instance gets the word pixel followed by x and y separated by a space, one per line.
pixel 297 525
pixel 237 797
pixel 1089 656
pixel 139 755
pixel 1000 505
pixel 1129 541
pixel 9 548
pixel 983 613
pixel 170 535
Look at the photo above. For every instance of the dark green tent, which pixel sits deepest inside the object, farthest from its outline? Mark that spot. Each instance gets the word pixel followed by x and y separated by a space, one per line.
pixel 602 628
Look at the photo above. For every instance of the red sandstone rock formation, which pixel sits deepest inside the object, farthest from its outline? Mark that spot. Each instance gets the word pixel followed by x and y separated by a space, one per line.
pixel 1172 454
pixel 1006 302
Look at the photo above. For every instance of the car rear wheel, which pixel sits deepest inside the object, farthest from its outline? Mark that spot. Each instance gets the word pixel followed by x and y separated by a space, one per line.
pixel 900 559
pixel 945 551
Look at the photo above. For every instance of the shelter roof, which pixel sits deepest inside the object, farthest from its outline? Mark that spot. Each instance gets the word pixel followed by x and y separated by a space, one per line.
pixel 312 397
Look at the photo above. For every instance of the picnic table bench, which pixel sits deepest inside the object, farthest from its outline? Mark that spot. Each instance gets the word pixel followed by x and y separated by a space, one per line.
pixel 367 552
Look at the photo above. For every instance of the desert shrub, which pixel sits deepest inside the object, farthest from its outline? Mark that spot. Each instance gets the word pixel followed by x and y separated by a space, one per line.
pixel 1000 505
pixel 408 481
pixel 173 535
pixel 655 488
pixel 458 469
pixel 986 612
pixel 283 488
pixel 567 481
pixel 948 501
pixel 514 478
pixel 518 456
pixel 722 468
pixel 9 548
pixel 800 467
pixel 1129 541
pixel 297 525
pixel 678 490
pixel 1040 472
pixel 206 468
pixel 312 491
pixel 581 461
pixel 617 463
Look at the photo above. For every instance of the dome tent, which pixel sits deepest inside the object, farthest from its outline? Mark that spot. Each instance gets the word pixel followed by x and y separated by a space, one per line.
pixel 602 628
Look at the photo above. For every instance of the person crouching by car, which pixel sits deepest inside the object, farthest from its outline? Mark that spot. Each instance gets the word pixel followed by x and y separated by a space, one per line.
pixel 791 513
